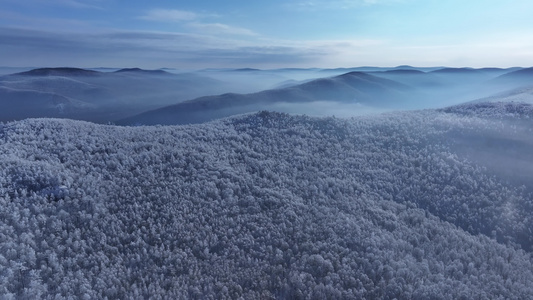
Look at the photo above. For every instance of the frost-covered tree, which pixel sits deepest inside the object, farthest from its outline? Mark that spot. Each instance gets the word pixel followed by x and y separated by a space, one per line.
pixel 264 205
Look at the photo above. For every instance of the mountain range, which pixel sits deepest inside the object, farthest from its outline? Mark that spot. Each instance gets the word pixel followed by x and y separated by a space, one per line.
pixel 241 202
pixel 135 96
pixel 353 87
pixel 97 96
pixel 396 89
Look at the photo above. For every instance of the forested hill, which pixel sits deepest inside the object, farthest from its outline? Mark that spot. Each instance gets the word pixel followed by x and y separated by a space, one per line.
pixel 267 205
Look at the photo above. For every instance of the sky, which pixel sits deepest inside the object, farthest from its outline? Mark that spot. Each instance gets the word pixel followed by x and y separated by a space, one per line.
pixel 265 34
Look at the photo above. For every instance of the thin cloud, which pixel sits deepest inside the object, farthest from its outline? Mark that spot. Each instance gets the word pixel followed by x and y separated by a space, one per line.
pixel 17 20
pixel 192 21
pixel 336 4
pixel 217 28
pixel 78 4
pixel 143 49
pixel 169 15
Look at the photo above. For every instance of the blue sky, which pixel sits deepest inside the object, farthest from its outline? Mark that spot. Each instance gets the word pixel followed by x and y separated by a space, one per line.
pixel 265 34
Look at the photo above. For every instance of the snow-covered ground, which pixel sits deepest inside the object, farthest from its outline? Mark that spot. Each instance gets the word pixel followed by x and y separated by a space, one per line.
pixel 267 205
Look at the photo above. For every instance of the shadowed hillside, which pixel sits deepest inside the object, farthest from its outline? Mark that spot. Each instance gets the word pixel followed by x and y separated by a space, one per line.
pixel 353 88
pixel 67 72
pixel 109 95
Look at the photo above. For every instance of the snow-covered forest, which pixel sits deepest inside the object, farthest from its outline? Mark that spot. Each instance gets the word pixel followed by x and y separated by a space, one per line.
pixel 269 205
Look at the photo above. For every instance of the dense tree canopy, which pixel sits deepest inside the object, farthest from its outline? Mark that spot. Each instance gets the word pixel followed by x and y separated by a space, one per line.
pixel 265 205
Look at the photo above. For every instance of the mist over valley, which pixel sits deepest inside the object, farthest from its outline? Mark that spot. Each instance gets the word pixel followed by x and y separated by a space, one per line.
pixel 303 149
pixel 289 183
pixel 149 97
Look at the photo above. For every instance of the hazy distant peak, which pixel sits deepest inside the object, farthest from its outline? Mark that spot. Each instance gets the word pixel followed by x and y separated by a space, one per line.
pixel 59 72
pixel 141 71
pixel 521 72
pixel 518 78
pixel 404 67
pixel 456 71
pixel 355 74
pixel 404 71
pixel 491 69
pixel 246 70
pixel 375 79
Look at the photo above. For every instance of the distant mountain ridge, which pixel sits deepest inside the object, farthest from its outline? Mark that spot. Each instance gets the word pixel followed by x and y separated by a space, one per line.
pixel 141 71
pixel 522 74
pixel 398 88
pixel 109 95
pixel 59 72
pixel 353 87
pixel 123 94
pixel 456 70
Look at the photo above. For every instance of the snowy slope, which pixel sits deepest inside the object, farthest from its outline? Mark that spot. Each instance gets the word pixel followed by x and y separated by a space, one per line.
pixel 16 104
pixel 264 205
pixel 519 95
